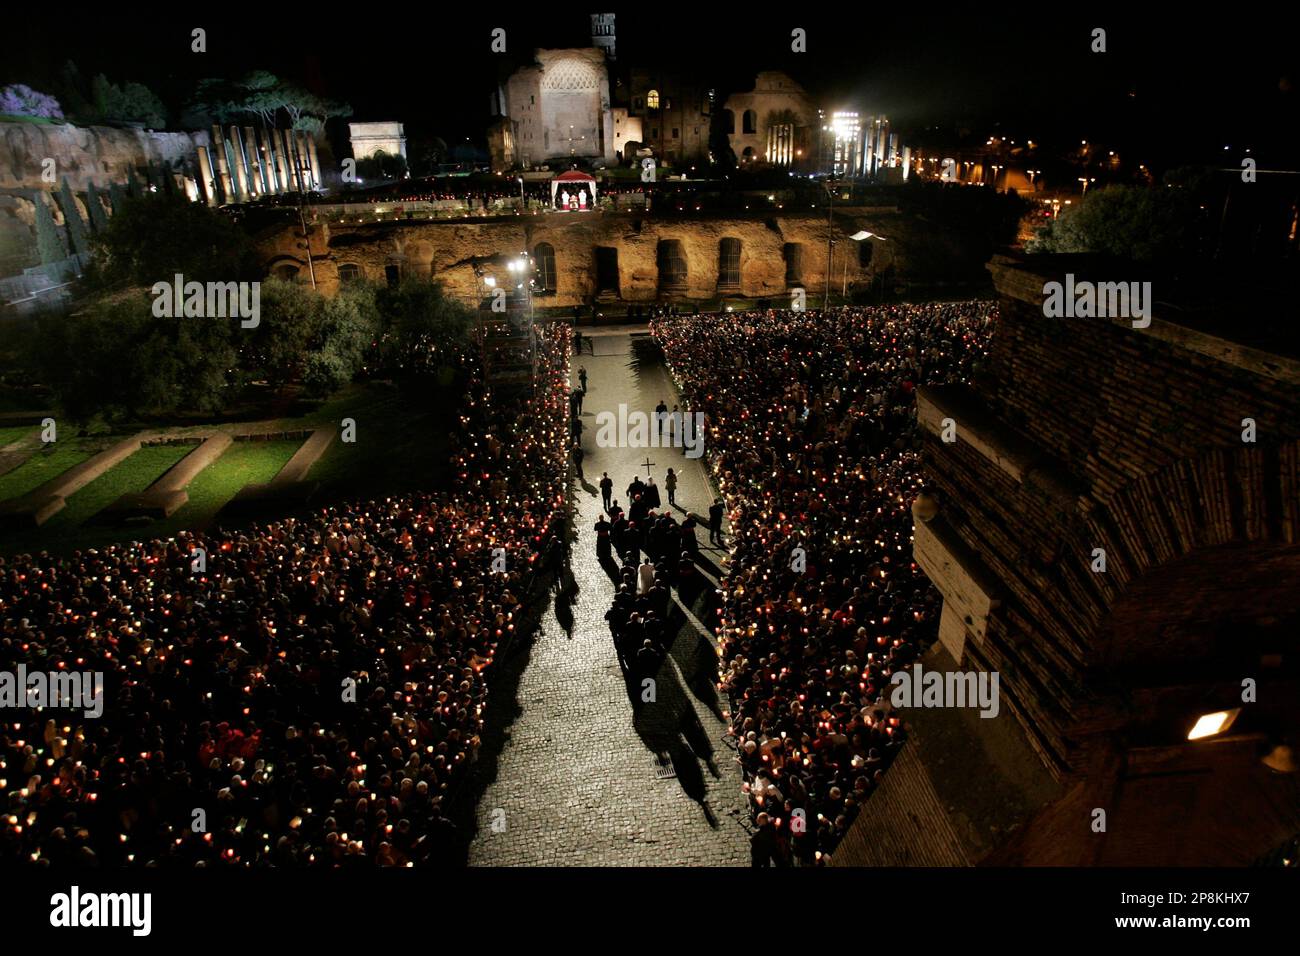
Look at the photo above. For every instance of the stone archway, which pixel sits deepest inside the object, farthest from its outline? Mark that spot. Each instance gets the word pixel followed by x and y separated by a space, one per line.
pixel 1201 617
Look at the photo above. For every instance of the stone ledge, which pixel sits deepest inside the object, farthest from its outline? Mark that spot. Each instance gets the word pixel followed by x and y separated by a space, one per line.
pixel 187 469
pixel 970 591
pixel 37 506
pixel 153 503
pixel 1023 280
pixel 979 428
pixel 296 468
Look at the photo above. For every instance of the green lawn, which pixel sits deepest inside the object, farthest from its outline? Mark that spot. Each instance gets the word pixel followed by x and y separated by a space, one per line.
pixel 135 473
pixel 398 447
pixel 243 463
pixel 11 434
pixel 46 464
pixel 401 446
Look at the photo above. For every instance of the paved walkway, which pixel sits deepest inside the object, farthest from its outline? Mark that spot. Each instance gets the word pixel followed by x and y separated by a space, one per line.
pixel 577 780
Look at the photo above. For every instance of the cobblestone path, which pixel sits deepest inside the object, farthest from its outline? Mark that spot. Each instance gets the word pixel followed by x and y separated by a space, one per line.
pixel 572 775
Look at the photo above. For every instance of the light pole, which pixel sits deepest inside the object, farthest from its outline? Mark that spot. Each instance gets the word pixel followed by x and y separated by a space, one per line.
pixel 831 185
pixel 521 195
pixel 306 242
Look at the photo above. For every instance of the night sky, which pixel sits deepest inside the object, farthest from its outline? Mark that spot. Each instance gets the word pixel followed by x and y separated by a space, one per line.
pixel 1175 91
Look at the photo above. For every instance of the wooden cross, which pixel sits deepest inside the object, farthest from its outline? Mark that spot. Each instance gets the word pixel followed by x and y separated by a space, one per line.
pixel 647 464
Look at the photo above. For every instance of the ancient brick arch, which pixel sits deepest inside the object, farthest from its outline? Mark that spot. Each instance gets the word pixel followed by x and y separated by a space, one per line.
pixel 1186 542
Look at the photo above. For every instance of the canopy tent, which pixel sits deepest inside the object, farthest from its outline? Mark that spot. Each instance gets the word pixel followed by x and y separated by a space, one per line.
pixel 574 191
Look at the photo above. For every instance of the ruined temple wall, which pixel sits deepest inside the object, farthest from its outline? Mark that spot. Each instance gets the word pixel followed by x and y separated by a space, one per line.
pixel 444 251
pixel 82 154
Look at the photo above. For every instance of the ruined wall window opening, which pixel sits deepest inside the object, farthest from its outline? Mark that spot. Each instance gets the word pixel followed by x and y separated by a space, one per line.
pixel 349 272
pixel 729 264
pixel 750 122
pixel 792 252
pixel 544 256
pixel 671 258
pixel 652 100
pixel 607 270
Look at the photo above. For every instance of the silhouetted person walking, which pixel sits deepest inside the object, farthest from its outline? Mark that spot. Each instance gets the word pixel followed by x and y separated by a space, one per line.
pixel 715 522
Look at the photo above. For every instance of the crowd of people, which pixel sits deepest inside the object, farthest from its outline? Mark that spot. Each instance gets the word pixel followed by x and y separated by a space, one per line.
pixel 310 693
pixel 813 443
pixel 654 552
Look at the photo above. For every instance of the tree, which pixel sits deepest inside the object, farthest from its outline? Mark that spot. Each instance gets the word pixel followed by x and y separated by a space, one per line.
pixel 48 241
pixel 260 95
pixel 131 363
pixel 95 207
pixel 1129 222
pixel 71 88
pixel 381 165
pixel 279 344
pixel 116 197
pixel 72 219
pixel 305 337
pixel 153 237
pixel 21 100
pixel 129 103
pixel 348 324
pixel 418 315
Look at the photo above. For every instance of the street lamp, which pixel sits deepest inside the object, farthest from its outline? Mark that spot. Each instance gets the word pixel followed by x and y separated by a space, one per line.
pixel 521 193
pixel 831 186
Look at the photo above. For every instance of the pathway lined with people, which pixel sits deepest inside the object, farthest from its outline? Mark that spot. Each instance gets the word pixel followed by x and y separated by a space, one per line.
pixel 588 774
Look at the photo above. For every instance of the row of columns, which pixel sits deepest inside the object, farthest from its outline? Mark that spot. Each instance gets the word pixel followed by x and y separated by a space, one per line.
pixel 245 164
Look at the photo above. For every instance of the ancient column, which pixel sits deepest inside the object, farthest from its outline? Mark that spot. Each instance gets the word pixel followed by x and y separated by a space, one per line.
pixel 281 166
pixel 304 164
pixel 223 165
pixel 256 187
pixel 208 188
pixel 291 165
pixel 315 162
pixel 237 166
pixel 273 185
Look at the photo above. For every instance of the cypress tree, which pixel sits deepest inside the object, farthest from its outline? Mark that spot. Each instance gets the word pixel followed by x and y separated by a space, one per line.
pixel 76 226
pixel 98 221
pixel 48 241
pixel 117 197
